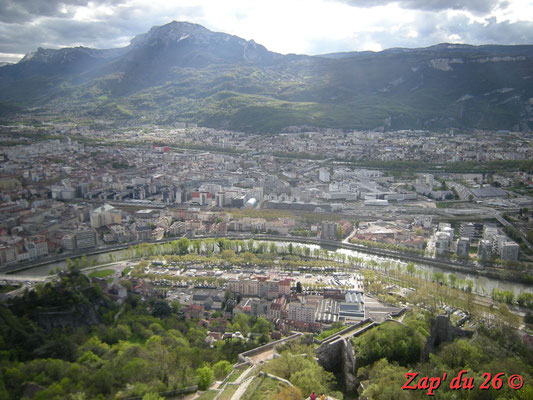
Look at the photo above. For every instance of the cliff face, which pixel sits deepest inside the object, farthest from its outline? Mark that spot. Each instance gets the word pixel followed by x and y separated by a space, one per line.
pixel 442 331
pixel 75 317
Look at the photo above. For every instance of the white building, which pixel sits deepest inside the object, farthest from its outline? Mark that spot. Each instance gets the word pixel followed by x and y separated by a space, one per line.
pixel 105 215
pixel 303 312
pixel 484 251
pixel 323 175
pixel 509 251
pixel 37 249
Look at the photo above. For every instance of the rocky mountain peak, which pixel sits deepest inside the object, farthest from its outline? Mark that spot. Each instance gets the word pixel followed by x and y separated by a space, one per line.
pixel 177 31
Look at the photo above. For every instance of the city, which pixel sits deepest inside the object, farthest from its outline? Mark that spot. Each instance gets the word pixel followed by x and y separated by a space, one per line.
pixel 298 234
pixel 245 200
pixel 68 195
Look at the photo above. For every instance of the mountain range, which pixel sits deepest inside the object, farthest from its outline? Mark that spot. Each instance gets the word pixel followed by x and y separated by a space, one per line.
pixel 183 72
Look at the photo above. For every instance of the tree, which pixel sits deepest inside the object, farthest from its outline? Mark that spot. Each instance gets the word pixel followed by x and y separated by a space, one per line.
pixel 183 246
pixel 248 257
pixel 221 369
pixel 261 326
pixel 298 287
pixel 241 323
pixel 228 254
pixel 508 317
pixel 411 268
pixel 301 370
pixel 205 377
pixel 176 306
pixel 161 309
pixel 197 245
pixel 339 232
pixel 251 245
pixel 386 381
pixel 289 393
pixel 438 277
pixel 152 396
pixel 525 300
pixel 77 396
pixel 453 279
pixel 391 341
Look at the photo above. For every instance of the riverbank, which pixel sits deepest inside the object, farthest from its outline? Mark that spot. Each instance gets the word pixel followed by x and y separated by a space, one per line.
pixel 447 265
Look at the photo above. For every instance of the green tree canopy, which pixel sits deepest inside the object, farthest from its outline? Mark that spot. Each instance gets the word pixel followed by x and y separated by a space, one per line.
pixel 205 376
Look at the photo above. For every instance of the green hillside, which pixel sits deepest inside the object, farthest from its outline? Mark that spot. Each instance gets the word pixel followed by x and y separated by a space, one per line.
pixel 222 81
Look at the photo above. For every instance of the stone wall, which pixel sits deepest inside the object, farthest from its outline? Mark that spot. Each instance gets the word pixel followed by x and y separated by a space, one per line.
pixel 329 355
pixel 243 357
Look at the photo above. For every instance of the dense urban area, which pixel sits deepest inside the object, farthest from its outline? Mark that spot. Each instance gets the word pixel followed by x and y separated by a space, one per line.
pixel 191 263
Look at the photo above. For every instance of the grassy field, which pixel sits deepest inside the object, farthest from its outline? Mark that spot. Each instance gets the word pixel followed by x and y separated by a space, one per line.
pixel 228 392
pixel 235 374
pixel 103 273
pixel 208 395
pixel 330 332
pixel 263 388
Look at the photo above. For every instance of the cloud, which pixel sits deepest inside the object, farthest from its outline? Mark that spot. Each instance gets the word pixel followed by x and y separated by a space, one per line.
pixel 434 28
pixel 304 26
pixel 18 11
pixel 473 6
pixel 102 24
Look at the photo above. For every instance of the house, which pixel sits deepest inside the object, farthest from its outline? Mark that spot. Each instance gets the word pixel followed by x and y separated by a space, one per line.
pixel 194 311
pixel 116 293
pixel 143 287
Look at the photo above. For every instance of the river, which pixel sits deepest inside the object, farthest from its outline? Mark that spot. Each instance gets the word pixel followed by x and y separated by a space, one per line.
pixel 481 283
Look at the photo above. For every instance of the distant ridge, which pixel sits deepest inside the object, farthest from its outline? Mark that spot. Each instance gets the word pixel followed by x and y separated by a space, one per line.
pixel 184 72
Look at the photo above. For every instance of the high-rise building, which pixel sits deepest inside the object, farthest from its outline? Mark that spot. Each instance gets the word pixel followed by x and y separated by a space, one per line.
pixel 105 215
pixel 302 312
pixel 69 242
pixel 462 247
pixel 85 239
pixel 484 250
pixel 329 230
pixel 37 248
pixel 7 254
pixel 470 230
pixel 323 175
pixel 509 251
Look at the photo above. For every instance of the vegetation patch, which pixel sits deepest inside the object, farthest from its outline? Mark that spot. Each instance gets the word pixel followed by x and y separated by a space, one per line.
pixel 337 327
pixel 7 288
pixel 391 340
pixel 102 273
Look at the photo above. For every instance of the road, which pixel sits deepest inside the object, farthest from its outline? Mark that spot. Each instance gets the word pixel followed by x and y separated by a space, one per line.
pixel 18 278
pixel 13 293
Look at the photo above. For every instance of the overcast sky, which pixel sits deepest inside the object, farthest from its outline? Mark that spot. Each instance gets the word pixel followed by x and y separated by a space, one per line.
pixel 284 26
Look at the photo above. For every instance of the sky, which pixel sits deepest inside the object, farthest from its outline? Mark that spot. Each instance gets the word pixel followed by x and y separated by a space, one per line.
pixel 283 26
